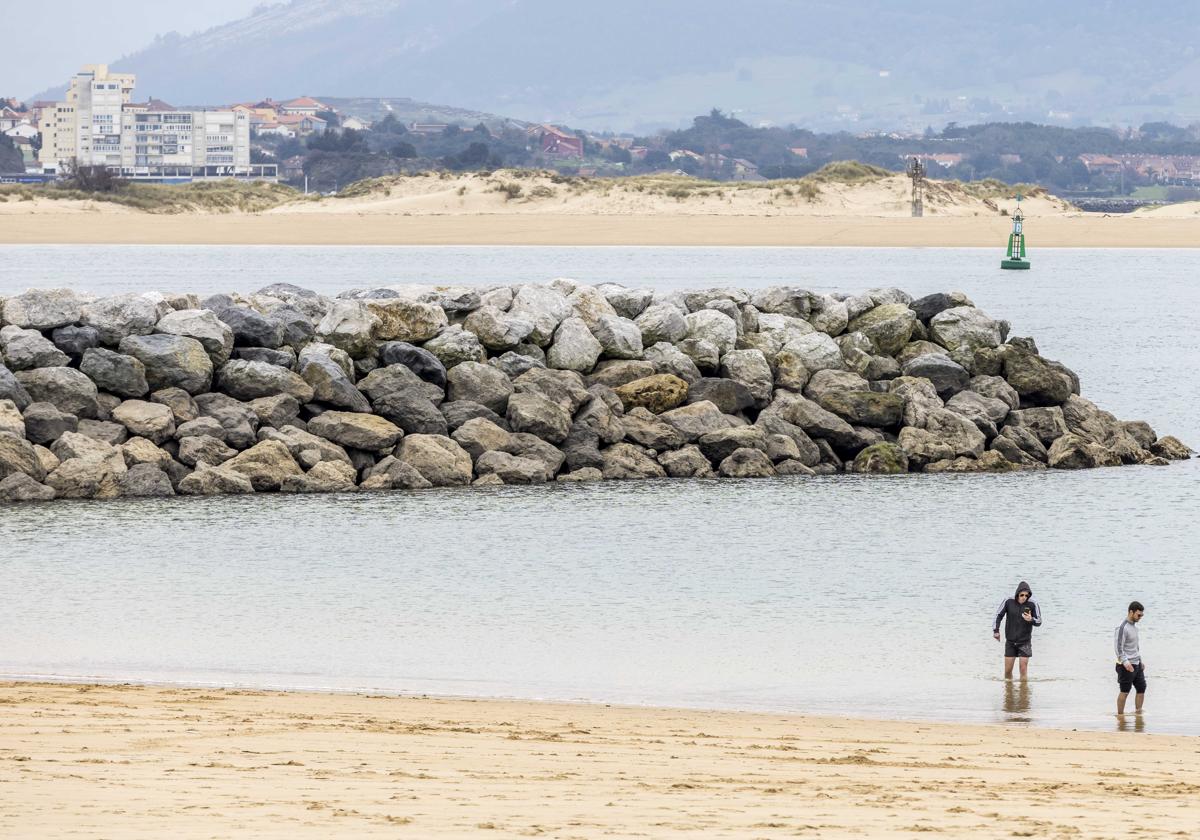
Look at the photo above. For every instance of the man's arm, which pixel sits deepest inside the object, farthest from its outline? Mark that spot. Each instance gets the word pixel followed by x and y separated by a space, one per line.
pixel 999 616
pixel 1120 644
pixel 1037 613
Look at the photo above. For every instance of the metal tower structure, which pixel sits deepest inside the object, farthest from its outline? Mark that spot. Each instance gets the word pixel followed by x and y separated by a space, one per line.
pixel 916 171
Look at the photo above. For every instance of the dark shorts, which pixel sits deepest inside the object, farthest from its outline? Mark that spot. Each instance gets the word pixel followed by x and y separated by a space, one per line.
pixel 1135 679
pixel 1018 648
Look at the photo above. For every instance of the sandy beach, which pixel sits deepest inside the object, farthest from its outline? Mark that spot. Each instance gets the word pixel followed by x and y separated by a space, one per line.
pixel 129 761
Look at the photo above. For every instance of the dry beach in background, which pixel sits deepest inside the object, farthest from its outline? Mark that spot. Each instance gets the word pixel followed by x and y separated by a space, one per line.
pixel 128 761
pixel 844 207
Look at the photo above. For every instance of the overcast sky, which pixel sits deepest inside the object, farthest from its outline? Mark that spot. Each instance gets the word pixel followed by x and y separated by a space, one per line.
pixel 56 38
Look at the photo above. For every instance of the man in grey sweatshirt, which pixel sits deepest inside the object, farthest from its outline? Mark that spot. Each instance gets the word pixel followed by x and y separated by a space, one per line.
pixel 1131 672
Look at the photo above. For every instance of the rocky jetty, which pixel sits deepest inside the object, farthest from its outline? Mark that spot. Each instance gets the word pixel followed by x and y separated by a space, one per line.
pixel 407 387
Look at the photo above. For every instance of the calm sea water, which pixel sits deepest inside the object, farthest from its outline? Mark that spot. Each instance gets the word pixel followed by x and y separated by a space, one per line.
pixel 837 595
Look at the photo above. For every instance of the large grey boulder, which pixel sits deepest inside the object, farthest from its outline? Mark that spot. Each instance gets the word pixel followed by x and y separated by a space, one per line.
pixel 544 307
pixel 115 373
pixel 479 435
pixel 686 462
pixel 931 305
pixel 45 423
pixel 439 460
pixel 865 408
pixel 511 469
pixel 818 422
pixel 150 420
pixel 19 456
pixel 747 463
pixel 146 481
pixel 964 327
pixel 392 474
pixel 325 477
pixel 815 351
pixel 719 445
pixel 825 381
pixel 498 331
pixel 417 359
pixel 119 316
pixel 889 326
pixel 695 419
pixel 412 412
pixel 104 430
pixel 204 449
pixel 237 419
pixel 574 347
pixel 1046 423
pixel 19 487
pixel 266 464
pixel 661 322
pixel 626 461
pixel 785 300
pixel 278 410
pixel 645 429
pixel 620 338
pixel 829 315
pixel 68 389
pixel 26 349
pixel 920 398
pixel 947 376
pixel 972 404
pixel 534 413
pixel 751 369
pixel 1073 452
pixel 667 358
pixel 251 328
pixel 400 319
pixel 727 395
pixel 458 412
pixel 455 345
pixel 12 389
pixel 88 478
pixel 179 401
pixel 200 426
pixel 1037 381
pixel 171 361
pixel 43 309
pixel 305 447
pixel 350 326
pixel 213 481
pixel 773 424
pixel 356 430
pixel 995 387
pixel 629 303
pixel 589 304
pixel 712 326
pixel 214 335
pixel 330 384
pixel 74 340
pixel 244 380
pixel 1087 421
pixel 479 383
pixel 562 387
pixel 617 372
pixel 880 459
pixel 534 448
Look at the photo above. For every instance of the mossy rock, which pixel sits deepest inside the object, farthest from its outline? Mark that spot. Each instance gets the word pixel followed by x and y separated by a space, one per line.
pixel 880 459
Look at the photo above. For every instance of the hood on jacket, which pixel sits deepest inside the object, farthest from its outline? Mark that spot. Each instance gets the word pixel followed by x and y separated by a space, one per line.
pixel 1022 587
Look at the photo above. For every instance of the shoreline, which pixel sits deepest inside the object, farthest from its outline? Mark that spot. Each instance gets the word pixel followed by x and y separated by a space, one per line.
pixel 99 227
pixel 204 762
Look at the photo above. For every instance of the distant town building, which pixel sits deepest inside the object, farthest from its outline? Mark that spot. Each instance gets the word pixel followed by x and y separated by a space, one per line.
pixel 1102 164
pixel 557 143
pixel 304 105
pixel 428 128
pixel 355 124
pixel 99 125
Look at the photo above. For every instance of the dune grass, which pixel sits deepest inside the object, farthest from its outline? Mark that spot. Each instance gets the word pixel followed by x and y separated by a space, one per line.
pixel 203 196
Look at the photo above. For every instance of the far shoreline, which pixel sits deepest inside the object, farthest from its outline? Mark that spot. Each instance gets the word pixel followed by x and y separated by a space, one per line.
pixel 345 229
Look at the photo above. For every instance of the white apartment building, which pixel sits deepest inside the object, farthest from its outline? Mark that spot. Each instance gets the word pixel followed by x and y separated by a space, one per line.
pixel 98 125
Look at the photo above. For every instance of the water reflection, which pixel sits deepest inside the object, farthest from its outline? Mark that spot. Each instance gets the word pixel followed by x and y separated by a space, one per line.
pixel 1018 701
pixel 1131 723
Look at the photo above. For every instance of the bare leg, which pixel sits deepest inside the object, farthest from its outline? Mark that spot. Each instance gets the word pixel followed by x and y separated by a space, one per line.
pixel 1121 698
pixel 1024 667
pixel 1137 703
pixel 1008 666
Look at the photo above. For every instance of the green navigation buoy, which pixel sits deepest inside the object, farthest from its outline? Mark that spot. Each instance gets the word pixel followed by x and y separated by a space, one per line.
pixel 1016 242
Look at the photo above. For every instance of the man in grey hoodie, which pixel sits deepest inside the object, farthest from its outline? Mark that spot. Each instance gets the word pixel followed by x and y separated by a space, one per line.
pixel 1131 673
pixel 1020 615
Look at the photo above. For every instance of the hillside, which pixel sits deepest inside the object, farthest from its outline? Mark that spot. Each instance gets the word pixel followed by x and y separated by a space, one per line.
pixel 629 64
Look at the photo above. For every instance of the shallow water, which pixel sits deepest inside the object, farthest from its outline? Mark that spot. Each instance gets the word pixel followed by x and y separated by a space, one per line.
pixel 839 595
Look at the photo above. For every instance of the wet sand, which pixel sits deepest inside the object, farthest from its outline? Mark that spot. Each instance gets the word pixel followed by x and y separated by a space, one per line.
pixel 128 761
pixel 311 228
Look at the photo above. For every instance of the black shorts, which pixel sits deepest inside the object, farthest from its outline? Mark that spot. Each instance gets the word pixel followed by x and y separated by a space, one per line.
pixel 1018 648
pixel 1135 679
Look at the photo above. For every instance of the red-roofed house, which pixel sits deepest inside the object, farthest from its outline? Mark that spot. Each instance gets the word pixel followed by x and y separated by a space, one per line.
pixel 304 105
pixel 556 143
pixel 1103 164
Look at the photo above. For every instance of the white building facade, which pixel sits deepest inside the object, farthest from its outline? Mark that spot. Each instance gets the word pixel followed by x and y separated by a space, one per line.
pixel 98 125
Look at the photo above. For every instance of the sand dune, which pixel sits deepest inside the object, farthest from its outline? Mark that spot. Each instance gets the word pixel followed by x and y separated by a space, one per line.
pixel 182 763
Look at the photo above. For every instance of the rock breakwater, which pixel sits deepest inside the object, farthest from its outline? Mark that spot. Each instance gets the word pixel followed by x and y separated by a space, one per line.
pixel 410 387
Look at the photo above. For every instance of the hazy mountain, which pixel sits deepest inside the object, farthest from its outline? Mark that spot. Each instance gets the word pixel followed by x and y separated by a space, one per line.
pixel 624 64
